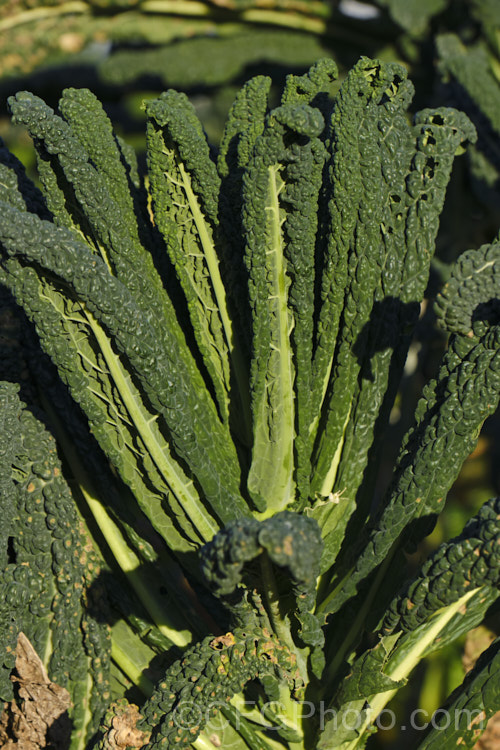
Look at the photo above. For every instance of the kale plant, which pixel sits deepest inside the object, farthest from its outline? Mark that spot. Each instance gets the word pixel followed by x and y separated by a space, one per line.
pixel 233 327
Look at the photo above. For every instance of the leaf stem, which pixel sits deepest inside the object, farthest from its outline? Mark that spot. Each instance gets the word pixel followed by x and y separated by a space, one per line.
pixel 278 623
pixel 125 557
pixel 136 675
pixel 212 261
pixel 272 599
pixel 407 661
pixel 172 473
pixel 355 628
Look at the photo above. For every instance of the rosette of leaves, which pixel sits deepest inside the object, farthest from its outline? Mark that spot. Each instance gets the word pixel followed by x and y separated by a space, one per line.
pixel 233 327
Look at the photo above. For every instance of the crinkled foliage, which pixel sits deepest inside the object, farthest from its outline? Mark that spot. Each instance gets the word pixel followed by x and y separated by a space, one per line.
pixel 228 334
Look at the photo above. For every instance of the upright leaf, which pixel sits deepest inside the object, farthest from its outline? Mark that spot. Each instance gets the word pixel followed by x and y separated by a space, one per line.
pixel 354 256
pixel 304 180
pixel 185 187
pixel 91 199
pixel 271 210
pixel 448 420
pixel 156 363
pixel 244 124
pixel 388 190
pixel 414 201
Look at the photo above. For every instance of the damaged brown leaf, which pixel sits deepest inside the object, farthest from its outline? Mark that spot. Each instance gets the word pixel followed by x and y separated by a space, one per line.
pixel 119 727
pixel 38 716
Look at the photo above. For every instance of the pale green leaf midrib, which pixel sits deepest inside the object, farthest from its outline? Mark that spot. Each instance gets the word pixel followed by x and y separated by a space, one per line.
pixel 277 500
pixel 130 564
pixel 87 715
pixel 126 558
pixel 128 467
pixel 209 254
pixel 328 481
pixel 286 374
pixel 212 261
pixel 409 661
pixel 172 473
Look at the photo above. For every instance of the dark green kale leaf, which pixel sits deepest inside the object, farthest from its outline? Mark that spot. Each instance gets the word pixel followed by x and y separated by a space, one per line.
pixel 49 570
pixel 467 562
pixel 245 565
pixel 462 720
pixel 448 419
pixel 206 677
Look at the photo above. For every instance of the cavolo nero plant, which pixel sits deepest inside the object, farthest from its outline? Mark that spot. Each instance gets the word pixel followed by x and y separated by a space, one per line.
pixel 233 327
